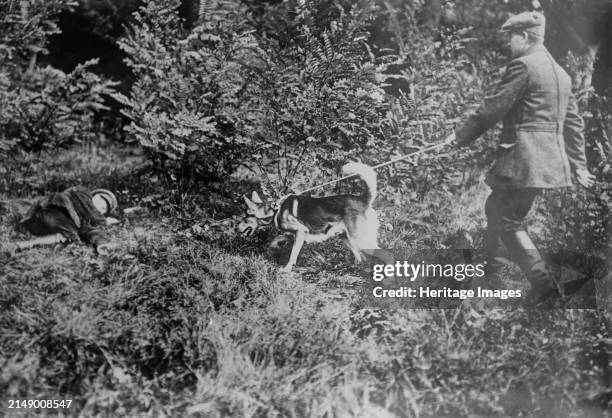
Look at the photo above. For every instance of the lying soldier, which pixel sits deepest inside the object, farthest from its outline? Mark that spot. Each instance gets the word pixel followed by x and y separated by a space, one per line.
pixel 72 215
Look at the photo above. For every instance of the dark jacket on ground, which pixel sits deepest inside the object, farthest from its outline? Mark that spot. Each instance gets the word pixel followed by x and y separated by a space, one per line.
pixel 541 139
pixel 70 213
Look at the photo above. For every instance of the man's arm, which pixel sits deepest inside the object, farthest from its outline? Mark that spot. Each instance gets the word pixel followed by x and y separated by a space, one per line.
pixel 573 135
pixel 509 90
pixel 574 143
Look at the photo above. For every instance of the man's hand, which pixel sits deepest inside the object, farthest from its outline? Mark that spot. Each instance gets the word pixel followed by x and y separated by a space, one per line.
pixel 584 178
pixel 450 140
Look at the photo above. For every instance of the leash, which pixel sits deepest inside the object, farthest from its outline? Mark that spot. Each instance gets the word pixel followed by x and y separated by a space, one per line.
pixel 278 203
pixel 392 161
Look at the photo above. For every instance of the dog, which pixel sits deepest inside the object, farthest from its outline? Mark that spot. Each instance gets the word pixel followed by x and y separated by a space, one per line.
pixel 316 219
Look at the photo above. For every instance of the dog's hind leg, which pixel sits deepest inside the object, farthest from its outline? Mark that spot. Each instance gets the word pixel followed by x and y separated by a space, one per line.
pixel 355 249
pixel 300 237
pixel 361 233
pixel 352 238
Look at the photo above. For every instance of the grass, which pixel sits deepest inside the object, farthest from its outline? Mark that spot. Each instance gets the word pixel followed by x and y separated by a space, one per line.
pixel 198 322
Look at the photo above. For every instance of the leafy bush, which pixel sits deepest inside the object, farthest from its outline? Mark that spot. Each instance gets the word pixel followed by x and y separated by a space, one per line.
pixel 189 107
pixel 208 99
pixel 321 89
pixel 42 107
pixel 24 30
pixel 51 109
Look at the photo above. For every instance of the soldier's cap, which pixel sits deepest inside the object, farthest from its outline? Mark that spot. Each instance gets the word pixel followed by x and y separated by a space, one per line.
pixel 533 22
pixel 108 197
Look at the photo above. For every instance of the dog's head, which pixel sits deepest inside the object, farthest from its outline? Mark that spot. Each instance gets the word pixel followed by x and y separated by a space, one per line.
pixel 258 214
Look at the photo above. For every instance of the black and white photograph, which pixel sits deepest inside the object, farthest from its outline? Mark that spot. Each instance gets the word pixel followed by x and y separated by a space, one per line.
pixel 306 208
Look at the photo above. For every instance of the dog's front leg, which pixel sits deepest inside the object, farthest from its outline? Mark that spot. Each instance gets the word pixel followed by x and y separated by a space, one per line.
pixel 300 237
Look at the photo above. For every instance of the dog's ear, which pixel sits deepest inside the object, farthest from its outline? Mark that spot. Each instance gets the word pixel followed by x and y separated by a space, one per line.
pixel 255 198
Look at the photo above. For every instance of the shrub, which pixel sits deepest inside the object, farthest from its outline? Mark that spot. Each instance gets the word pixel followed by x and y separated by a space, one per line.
pixel 42 107
pixel 24 30
pixel 208 99
pixel 321 89
pixel 189 105
pixel 51 109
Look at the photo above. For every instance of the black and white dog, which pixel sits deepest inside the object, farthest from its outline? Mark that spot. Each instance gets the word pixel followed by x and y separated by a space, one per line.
pixel 315 219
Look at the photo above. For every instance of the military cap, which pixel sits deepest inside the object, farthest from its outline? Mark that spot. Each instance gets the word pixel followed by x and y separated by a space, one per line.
pixel 532 22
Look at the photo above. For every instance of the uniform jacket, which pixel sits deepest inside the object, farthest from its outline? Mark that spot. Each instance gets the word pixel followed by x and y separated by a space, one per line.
pixel 541 139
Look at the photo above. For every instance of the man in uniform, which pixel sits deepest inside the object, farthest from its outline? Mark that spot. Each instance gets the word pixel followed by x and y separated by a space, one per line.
pixel 541 146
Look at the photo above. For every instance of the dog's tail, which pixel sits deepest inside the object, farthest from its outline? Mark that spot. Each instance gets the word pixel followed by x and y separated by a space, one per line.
pixel 368 175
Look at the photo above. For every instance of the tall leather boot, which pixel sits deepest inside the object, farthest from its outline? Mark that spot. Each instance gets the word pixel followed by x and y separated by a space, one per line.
pixel 523 251
pixel 495 261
